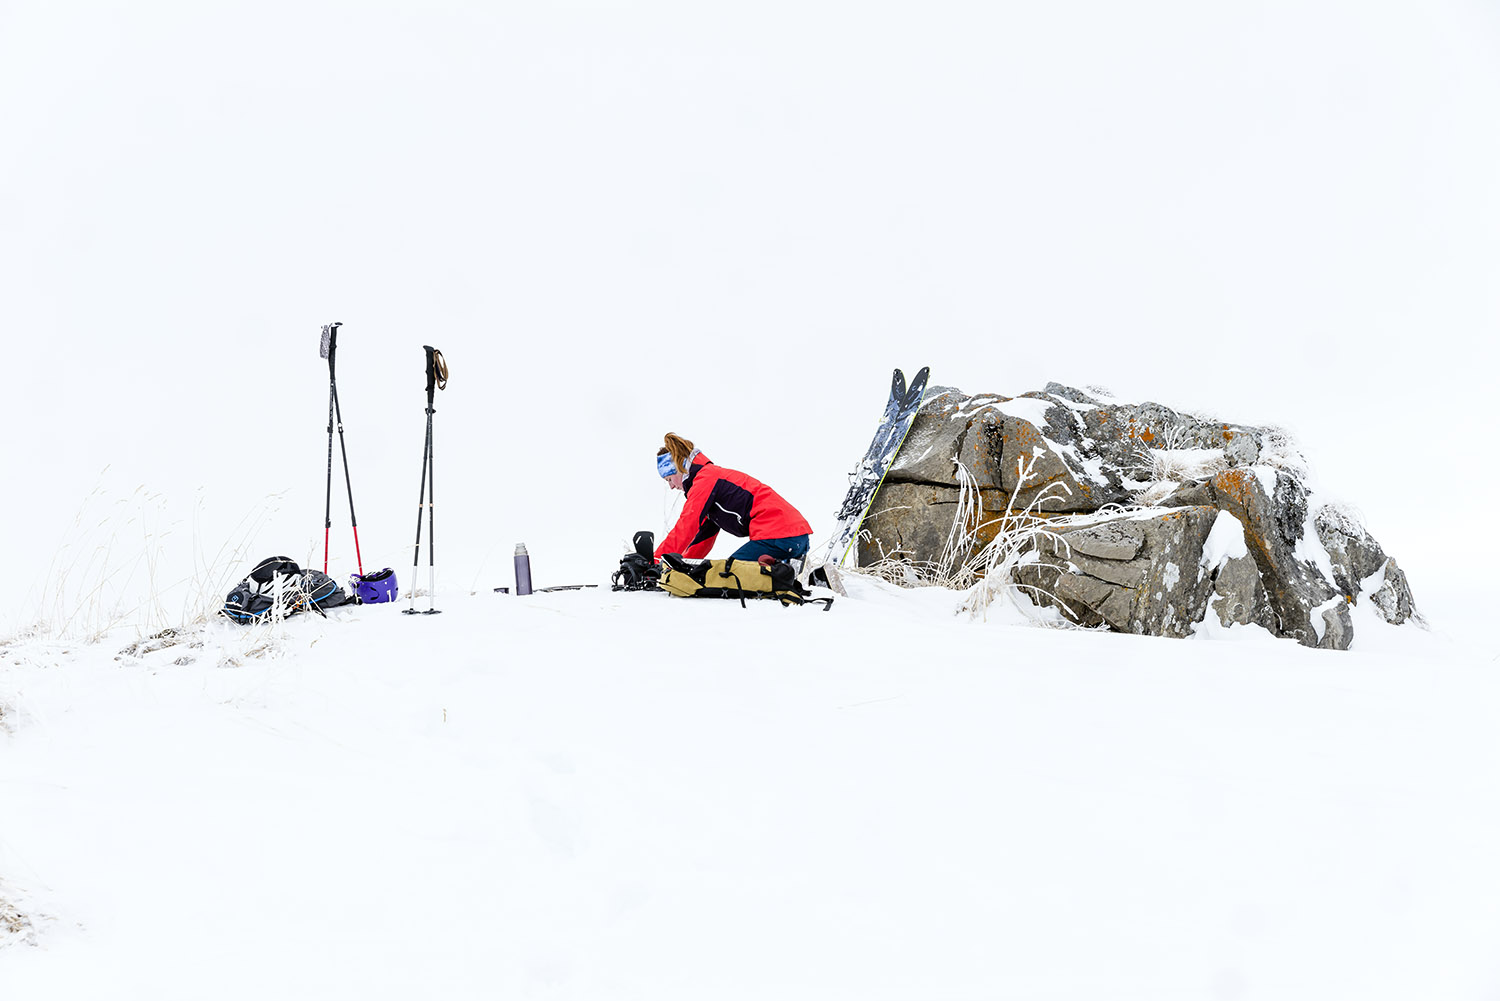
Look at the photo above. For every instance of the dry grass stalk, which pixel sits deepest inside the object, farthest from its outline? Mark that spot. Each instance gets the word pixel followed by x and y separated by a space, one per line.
pixel 985 571
pixel 16 926
pixel 97 583
pixel 991 571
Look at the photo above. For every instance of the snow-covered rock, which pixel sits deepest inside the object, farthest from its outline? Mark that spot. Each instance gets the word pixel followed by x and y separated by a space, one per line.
pixel 1129 494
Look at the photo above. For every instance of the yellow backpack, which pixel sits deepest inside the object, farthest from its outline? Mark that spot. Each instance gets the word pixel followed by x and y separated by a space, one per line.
pixel 733 578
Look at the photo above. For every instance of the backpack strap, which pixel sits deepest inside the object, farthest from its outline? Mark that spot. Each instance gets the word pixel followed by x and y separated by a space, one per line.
pixel 788 598
pixel 738 586
pixel 788 590
pixel 696 570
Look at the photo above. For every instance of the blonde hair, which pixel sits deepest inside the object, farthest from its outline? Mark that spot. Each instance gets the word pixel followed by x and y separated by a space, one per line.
pixel 679 448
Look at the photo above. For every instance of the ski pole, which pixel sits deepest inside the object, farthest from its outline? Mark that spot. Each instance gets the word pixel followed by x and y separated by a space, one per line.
pixel 348 484
pixel 437 378
pixel 431 511
pixel 416 552
pixel 328 349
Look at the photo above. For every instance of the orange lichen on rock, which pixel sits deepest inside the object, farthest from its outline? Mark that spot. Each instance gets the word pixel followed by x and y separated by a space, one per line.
pixel 1023 435
pixel 1236 485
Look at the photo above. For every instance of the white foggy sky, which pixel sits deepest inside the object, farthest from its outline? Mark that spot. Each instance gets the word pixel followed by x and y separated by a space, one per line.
pixel 607 214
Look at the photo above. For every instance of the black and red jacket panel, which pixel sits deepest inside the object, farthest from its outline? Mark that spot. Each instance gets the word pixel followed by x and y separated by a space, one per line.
pixel 719 499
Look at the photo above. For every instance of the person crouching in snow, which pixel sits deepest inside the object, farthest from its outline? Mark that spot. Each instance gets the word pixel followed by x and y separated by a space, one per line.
pixel 728 500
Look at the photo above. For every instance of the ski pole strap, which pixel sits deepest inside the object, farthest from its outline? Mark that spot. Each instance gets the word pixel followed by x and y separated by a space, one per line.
pixel 437 369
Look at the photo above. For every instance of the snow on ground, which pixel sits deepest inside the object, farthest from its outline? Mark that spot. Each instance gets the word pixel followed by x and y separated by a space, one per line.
pixel 603 795
pixel 606 215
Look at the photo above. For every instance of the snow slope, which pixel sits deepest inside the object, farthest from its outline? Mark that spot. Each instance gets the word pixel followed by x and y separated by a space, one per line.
pixel 604 215
pixel 603 795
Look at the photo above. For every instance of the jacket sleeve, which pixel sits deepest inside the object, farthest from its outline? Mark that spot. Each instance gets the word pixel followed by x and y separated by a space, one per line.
pixel 699 551
pixel 688 523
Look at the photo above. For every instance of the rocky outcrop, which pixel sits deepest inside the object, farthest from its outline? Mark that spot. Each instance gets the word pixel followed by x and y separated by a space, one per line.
pixel 1361 566
pixel 1117 503
pixel 1272 507
pixel 1392 595
pixel 1135 574
pixel 1239 597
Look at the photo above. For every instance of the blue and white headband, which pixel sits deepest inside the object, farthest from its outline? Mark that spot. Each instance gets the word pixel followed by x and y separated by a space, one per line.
pixel 666 467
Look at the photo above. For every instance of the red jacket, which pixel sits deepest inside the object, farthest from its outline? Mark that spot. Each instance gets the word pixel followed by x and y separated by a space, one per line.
pixel 719 498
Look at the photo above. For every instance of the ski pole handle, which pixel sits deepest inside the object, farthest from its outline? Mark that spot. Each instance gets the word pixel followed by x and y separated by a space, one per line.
pixel 328 343
pixel 437 369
